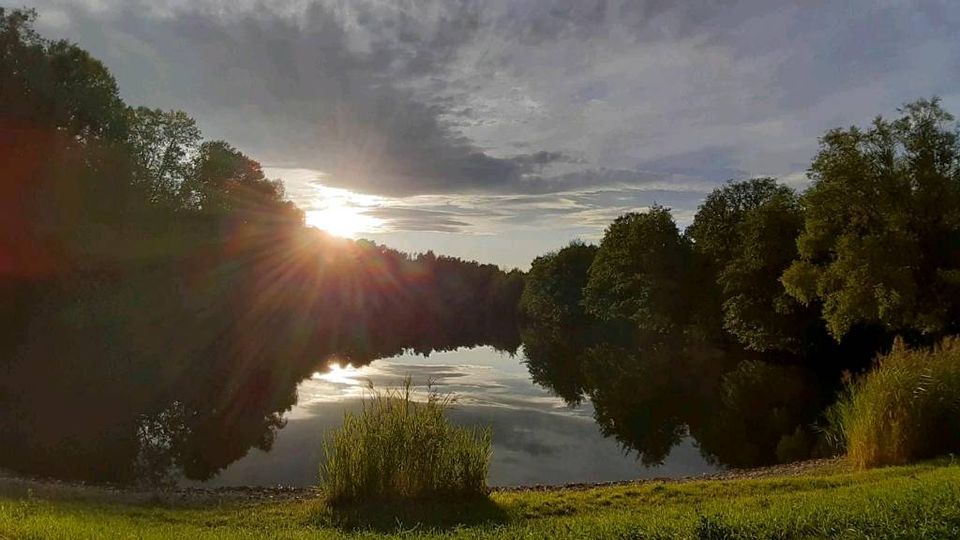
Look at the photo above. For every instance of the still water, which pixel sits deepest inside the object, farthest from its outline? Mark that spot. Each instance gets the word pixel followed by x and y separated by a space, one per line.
pixel 537 437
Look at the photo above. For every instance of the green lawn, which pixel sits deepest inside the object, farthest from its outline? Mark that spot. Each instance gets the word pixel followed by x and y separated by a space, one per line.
pixel 919 501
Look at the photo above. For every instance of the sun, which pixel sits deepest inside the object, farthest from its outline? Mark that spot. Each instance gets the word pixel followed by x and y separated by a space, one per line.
pixel 342 220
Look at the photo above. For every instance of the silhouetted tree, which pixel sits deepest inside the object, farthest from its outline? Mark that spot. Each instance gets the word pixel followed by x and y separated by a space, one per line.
pixel 554 285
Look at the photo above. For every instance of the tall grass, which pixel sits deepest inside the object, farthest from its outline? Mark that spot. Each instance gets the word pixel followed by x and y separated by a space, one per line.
pixel 396 447
pixel 906 408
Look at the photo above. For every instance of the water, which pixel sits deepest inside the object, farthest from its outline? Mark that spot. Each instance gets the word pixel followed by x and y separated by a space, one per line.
pixel 571 406
pixel 537 437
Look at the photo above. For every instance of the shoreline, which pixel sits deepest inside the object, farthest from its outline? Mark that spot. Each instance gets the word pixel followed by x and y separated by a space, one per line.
pixel 16 485
pixel 813 499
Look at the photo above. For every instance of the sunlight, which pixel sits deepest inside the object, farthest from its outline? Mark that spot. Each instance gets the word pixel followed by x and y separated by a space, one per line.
pixel 342 212
pixel 345 221
pixel 339 374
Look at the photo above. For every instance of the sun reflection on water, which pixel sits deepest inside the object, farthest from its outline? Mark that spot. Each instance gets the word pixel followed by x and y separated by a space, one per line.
pixel 339 374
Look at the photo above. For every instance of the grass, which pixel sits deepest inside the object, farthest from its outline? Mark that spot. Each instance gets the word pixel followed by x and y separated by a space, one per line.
pixel 398 448
pixel 905 409
pixel 917 501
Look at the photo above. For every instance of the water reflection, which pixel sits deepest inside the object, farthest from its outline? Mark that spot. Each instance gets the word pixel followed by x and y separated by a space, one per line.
pixel 650 394
pixel 537 437
pixel 577 404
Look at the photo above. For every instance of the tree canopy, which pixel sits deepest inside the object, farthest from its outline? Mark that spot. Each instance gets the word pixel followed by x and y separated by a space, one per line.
pixel 881 238
pixel 745 233
pixel 555 283
pixel 640 271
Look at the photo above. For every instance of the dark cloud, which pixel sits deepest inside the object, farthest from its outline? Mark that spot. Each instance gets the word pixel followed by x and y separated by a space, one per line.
pixel 538 160
pixel 302 90
pixel 518 97
pixel 537 22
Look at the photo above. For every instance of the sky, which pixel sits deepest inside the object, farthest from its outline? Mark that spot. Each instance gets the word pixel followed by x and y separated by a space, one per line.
pixel 498 130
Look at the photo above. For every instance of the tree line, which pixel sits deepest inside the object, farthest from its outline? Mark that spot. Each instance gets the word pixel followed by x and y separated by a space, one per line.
pixel 740 327
pixel 871 249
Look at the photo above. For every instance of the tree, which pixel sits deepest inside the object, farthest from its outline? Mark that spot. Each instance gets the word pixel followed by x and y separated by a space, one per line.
pixel 639 273
pixel 165 145
pixel 222 178
pixel 756 306
pixel 881 237
pixel 746 234
pixel 554 286
pixel 62 128
pixel 54 86
pixel 716 229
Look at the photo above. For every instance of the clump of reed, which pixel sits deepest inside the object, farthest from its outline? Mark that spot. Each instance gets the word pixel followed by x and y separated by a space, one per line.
pixel 399 448
pixel 904 409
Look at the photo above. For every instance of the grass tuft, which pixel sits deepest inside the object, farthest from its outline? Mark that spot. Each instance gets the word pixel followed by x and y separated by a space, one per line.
pixel 398 448
pixel 905 409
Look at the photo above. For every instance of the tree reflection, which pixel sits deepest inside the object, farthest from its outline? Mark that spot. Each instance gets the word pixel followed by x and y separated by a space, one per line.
pixel 650 392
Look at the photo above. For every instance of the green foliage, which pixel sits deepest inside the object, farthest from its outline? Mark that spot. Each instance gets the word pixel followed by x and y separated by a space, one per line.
pixel 746 231
pixel 795 446
pixel 716 229
pixel 639 273
pixel 762 413
pixel 46 84
pixel 881 238
pixel 553 292
pixel 905 409
pixel 165 145
pixel 397 448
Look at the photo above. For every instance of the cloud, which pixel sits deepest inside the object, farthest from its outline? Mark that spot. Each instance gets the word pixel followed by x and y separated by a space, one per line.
pixel 417 219
pixel 323 88
pixel 499 213
pixel 413 98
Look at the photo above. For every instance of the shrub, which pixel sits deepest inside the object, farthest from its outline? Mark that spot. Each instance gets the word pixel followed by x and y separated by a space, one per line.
pixel 398 448
pixel 906 408
pixel 795 446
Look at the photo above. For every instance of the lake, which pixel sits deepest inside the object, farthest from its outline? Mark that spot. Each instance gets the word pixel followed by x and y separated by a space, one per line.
pixel 569 406
pixel 537 437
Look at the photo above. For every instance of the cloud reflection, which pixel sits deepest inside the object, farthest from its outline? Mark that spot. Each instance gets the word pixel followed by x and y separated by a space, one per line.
pixel 537 438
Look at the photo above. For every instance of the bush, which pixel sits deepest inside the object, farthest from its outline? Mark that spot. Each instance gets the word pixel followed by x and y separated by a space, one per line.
pixel 906 408
pixel 398 448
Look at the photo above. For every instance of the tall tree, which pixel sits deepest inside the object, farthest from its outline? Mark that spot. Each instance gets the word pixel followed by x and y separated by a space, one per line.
pixel 745 233
pixel 554 286
pixel 881 238
pixel 640 273
pixel 165 144
pixel 54 85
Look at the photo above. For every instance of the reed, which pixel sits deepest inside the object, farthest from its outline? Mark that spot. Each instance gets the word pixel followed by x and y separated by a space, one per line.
pixel 396 447
pixel 905 409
